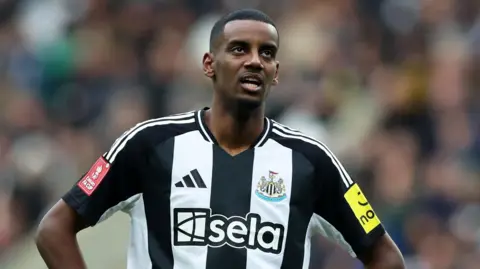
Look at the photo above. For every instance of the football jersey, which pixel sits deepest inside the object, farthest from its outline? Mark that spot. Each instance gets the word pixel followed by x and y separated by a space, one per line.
pixel 193 205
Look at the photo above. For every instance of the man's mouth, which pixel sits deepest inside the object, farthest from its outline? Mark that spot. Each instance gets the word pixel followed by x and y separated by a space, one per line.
pixel 251 82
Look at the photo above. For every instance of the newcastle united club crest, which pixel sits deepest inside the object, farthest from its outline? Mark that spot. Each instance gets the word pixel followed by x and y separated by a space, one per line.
pixel 271 189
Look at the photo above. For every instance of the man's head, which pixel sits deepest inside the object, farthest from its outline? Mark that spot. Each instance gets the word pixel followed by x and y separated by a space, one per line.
pixel 242 59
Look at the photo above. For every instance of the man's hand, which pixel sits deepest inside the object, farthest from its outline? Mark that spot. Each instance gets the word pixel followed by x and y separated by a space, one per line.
pixel 56 238
pixel 384 255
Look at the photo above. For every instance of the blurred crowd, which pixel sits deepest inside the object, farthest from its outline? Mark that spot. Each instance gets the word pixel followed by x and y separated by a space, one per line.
pixel 393 87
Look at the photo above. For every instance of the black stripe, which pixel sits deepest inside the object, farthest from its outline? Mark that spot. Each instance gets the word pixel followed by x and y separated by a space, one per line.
pixel 157 208
pixel 179 184
pixel 230 196
pixel 198 178
pixel 301 210
pixel 188 181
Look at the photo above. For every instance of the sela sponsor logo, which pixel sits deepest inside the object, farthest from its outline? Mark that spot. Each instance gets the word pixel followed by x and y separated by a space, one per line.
pixel 197 227
pixel 361 208
pixel 92 179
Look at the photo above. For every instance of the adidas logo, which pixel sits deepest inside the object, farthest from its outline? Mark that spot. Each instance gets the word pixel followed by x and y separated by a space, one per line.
pixel 189 183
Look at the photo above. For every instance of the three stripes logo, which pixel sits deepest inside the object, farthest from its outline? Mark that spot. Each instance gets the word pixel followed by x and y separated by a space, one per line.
pixel 192 180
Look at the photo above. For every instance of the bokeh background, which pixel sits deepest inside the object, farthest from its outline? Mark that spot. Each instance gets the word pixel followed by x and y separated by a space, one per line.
pixel 393 87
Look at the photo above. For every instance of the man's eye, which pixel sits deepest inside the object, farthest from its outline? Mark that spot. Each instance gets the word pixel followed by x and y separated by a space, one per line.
pixel 267 53
pixel 237 50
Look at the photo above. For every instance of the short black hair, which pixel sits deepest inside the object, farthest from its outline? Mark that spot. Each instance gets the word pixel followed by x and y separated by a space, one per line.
pixel 241 14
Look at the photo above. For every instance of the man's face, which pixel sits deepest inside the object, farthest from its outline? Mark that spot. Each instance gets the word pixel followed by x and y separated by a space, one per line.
pixel 243 64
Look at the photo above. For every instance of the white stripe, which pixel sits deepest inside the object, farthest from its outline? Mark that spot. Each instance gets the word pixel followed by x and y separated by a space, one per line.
pixel 319 226
pixel 285 126
pixel 296 132
pixel 346 179
pixel 185 160
pixel 138 125
pixel 126 133
pixel 171 117
pixel 132 134
pixel 123 205
pixel 264 135
pixel 307 248
pixel 324 228
pixel 200 122
pixel 271 157
pixel 138 256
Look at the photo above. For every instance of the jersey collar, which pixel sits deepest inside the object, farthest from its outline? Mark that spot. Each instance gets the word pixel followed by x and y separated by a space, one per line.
pixel 207 134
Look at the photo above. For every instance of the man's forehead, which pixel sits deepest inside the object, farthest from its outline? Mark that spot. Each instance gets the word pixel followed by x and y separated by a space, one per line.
pixel 242 28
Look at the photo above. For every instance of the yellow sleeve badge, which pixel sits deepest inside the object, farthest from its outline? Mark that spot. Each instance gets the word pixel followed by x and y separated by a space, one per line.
pixel 361 208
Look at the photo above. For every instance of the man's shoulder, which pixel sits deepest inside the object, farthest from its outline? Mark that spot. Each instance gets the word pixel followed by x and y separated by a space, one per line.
pixel 162 128
pixel 298 141
pixel 147 134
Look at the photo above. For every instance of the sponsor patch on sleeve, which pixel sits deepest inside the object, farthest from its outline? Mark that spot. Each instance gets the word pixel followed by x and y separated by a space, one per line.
pixel 94 177
pixel 361 208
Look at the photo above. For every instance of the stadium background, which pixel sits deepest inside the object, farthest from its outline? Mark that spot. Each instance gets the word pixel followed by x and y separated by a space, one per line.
pixel 391 86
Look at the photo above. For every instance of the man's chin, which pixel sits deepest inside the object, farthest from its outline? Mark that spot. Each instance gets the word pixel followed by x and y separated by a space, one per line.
pixel 244 101
pixel 249 102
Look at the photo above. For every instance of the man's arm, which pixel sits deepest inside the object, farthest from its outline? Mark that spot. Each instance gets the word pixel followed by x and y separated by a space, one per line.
pixel 111 182
pixel 384 254
pixel 56 238
pixel 342 203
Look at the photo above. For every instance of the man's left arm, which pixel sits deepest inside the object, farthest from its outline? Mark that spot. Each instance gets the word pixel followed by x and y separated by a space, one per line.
pixel 342 203
pixel 384 254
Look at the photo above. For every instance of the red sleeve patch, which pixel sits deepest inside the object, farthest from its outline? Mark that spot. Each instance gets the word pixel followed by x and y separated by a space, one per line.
pixel 94 177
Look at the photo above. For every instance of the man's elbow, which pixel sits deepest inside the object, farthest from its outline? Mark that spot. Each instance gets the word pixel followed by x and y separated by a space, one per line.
pixel 385 255
pixel 390 260
pixel 59 221
pixel 46 229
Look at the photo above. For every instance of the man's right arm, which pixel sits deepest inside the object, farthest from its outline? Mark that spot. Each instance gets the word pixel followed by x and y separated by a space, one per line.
pixel 111 181
pixel 56 237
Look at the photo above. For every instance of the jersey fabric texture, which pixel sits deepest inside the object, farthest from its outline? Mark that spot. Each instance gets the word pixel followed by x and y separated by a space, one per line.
pixel 193 205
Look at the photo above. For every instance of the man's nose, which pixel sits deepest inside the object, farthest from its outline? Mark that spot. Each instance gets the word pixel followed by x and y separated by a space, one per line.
pixel 254 62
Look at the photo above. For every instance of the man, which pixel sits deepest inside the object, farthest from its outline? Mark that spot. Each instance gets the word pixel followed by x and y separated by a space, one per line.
pixel 222 187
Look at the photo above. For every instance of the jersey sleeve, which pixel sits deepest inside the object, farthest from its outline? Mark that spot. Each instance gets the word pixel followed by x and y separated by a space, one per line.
pixel 342 203
pixel 111 182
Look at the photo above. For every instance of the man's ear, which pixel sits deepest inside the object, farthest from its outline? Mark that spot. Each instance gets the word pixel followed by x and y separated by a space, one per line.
pixel 208 69
pixel 275 78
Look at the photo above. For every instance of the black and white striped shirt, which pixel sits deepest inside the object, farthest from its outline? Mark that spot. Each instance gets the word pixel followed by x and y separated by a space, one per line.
pixel 195 206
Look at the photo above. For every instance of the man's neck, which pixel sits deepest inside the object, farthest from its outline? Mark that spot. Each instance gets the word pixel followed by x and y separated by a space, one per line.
pixel 235 131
